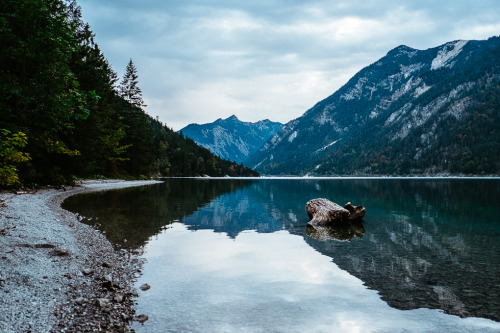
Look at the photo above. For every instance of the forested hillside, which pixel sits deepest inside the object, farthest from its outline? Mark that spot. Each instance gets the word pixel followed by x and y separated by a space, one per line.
pixel 412 112
pixel 64 113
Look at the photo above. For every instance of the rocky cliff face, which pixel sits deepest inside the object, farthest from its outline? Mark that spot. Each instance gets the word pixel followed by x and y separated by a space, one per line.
pixel 434 111
pixel 231 138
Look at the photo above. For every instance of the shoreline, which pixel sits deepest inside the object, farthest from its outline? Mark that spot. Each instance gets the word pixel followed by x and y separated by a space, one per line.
pixel 58 274
pixel 346 178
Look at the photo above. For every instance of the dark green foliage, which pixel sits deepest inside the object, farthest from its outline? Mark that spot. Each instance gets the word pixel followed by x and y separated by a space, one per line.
pixel 129 87
pixel 10 156
pixel 40 93
pixel 57 87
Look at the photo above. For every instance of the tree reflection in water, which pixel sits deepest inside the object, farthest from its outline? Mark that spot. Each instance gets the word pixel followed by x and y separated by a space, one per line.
pixel 130 216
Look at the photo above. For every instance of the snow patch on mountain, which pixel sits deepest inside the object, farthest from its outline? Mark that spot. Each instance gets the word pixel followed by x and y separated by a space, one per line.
pixel 283 133
pixel 447 53
pixel 420 90
pixel 396 115
pixel 325 147
pixel 409 70
pixel 324 117
pixel 259 164
pixel 356 91
pixel 420 114
pixel 456 109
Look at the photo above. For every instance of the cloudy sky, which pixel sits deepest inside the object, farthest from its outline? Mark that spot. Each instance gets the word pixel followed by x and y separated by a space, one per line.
pixel 199 60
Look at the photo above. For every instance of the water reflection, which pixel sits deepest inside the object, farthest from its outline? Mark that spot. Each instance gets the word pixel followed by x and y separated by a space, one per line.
pixel 266 282
pixel 427 243
pixel 130 217
pixel 422 243
pixel 436 246
pixel 342 231
pixel 233 213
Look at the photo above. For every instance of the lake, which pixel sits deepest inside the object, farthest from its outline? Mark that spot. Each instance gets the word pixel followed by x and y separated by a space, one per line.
pixel 235 255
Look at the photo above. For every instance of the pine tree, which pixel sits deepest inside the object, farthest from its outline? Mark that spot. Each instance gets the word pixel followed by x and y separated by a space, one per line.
pixel 61 115
pixel 40 94
pixel 135 124
pixel 129 87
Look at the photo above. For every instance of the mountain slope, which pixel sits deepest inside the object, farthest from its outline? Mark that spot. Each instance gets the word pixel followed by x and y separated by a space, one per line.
pixel 434 111
pixel 231 138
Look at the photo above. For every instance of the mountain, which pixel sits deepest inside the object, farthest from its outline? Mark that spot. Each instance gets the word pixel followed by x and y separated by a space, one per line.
pixel 413 112
pixel 231 138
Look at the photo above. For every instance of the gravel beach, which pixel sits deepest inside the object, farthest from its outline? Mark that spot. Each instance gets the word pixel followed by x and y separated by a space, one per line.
pixel 60 275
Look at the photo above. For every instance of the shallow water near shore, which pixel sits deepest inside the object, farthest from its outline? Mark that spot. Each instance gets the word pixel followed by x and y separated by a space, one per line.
pixel 235 255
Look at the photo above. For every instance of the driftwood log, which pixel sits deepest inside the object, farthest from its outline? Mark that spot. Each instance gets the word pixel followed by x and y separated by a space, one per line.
pixel 355 212
pixel 325 212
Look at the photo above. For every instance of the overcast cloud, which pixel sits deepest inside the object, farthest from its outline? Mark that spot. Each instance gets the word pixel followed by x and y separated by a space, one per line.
pixel 202 60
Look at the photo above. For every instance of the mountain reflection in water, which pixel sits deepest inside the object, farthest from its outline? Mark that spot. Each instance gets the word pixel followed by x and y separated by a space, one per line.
pixel 432 243
pixel 131 216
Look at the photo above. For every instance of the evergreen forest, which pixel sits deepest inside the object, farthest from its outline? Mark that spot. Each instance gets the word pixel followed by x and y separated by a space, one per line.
pixel 64 113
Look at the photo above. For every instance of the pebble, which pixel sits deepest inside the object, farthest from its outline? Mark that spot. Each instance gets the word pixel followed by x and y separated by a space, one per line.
pixel 108 285
pixel 119 298
pixel 125 316
pixel 142 318
pixel 103 302
pixel 57 303
pixel 145 287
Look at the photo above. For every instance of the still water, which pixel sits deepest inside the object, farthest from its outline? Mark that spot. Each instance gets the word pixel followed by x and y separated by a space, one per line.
pixel 232 255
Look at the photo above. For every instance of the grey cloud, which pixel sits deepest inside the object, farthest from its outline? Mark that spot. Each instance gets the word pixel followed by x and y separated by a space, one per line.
pixel 203 59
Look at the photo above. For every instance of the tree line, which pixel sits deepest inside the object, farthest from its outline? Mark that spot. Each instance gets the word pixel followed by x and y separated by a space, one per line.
pixel 64 113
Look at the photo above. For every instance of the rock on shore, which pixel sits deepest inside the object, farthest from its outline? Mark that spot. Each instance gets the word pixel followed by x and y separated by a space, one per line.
pixel 57 274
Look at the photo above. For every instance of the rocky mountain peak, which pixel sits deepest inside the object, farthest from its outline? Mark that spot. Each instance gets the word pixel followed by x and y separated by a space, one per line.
pixel 411 112
pixel 231 138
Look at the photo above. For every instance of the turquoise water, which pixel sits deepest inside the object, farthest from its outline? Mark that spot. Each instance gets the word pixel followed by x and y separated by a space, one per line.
pixel 235 255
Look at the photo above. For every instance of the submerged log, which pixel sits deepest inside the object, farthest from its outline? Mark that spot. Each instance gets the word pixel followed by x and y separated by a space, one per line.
pixel 325 212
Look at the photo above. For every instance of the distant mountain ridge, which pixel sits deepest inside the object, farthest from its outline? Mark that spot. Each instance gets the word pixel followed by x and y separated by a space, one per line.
pixel 231 138
pixel 434 111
